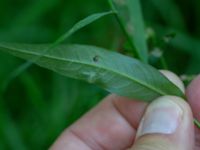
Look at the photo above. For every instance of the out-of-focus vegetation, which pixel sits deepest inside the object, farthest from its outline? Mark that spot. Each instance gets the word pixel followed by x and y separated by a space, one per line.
pixel 37 105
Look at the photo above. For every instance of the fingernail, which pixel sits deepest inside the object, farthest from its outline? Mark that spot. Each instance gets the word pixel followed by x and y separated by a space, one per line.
pixel 163 116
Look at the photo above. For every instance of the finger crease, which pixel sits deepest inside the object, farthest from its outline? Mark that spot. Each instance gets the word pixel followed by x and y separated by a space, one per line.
pixel 97 145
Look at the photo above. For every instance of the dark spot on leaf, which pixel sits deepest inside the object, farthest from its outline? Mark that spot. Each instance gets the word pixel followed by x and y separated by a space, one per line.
pixel 96 58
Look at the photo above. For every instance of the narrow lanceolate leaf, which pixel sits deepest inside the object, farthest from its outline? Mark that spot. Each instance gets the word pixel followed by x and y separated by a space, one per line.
pixel 130 16
pixel 79 25
pixel 112 71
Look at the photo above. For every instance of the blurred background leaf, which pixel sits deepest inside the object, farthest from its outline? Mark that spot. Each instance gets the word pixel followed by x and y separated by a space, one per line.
pixel 39 104
pixel 130 18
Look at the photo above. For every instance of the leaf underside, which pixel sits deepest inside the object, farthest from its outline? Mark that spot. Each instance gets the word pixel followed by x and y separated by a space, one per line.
pixel 112 71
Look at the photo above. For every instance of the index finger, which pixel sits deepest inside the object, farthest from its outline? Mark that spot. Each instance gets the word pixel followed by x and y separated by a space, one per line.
pixel 110 125
pixel 193 95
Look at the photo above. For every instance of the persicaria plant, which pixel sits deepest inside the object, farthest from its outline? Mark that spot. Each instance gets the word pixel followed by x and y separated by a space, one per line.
pixel 127 76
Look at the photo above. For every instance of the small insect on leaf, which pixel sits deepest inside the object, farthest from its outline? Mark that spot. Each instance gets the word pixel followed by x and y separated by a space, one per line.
pixel 96 58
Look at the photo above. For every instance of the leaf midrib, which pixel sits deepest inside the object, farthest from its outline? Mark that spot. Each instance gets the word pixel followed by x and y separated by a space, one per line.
pixel 92 65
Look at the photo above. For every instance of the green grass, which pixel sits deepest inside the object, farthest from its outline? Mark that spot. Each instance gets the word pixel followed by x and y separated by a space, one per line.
pixel 39 104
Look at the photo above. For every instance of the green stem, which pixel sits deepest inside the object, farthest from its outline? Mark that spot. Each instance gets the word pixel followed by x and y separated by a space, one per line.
pixel 197 123
pixel 187 78
pixel 136 54
pixel 163 63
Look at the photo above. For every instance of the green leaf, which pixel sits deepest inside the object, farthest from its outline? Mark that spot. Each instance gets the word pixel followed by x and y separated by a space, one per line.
pixel 81 24
pixel 112 71
pixel 129 15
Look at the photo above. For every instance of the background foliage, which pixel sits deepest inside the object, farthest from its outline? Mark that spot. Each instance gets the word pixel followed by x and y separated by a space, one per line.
pixel 39 104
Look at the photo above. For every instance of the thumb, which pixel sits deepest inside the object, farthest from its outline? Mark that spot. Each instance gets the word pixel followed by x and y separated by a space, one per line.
pixel 166 125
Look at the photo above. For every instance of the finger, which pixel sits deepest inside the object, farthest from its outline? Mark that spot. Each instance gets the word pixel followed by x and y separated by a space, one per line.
pixel 193 95
pixel 128 108
pixel 108 126
pixel 111 125
pixel 164 125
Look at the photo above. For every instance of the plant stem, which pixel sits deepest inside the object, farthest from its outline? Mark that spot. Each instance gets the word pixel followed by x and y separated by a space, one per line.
pixel 187 78
pixel 197 123
pixel 135 52
pixel 163 63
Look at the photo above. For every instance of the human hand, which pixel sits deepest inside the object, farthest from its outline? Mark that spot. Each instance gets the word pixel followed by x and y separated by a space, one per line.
pixel 119 124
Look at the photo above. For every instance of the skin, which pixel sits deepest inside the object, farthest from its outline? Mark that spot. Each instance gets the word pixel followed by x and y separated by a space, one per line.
pixel 113 125
pixel 193 95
